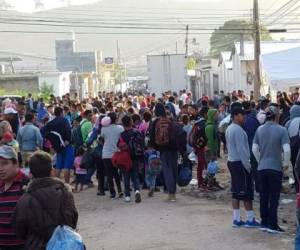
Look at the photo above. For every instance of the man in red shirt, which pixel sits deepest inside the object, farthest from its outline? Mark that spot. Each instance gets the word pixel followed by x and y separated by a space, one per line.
pixel 12 181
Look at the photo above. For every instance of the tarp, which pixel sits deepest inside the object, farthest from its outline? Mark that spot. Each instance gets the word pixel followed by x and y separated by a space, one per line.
pixel 282 68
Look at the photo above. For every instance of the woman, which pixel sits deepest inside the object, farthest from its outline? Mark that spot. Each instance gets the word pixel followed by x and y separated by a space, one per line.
pixel 111 135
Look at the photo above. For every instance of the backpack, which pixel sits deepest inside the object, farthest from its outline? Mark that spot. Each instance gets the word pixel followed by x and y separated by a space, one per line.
pixel 162 132
pixel 137 145
pixel 224 124
pixel 154 164
pixel 122 159
pixel 197 138
pixel 56 141
pixel 77 139
pixel 88 160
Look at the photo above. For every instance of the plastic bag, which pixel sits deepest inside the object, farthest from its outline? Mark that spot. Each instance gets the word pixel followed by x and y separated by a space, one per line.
pixel 213 168
pixel 65 238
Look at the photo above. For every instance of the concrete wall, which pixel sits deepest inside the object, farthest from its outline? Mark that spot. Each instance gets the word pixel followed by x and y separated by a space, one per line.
pixel 24 83
pixel 59 81
pixel 69 60
pixel 167 72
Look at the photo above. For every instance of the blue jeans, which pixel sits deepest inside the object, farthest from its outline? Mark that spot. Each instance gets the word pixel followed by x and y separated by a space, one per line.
pixel 133 176
pixel 150 180
pixel 170 169
pixel 297 239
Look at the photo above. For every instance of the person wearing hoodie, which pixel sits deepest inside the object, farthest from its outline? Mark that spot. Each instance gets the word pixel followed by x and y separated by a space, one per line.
pixel 293 127
pixel 250 126
pixel 61 127
pixel 211 133
pixel 47 203
pixel 161 131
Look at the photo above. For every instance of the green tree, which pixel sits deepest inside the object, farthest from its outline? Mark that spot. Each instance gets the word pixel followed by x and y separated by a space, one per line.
pixel 45 91
pixel 232 31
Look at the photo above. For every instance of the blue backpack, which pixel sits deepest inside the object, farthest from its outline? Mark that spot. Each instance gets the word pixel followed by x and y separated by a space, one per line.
pixel 154 164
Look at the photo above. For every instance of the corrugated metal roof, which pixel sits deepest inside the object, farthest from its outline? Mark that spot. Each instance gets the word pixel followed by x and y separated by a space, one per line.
pixel 29 62
pixel 267 47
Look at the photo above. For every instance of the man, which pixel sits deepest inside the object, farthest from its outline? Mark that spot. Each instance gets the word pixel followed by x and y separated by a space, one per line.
pixel 58 131
pixel 293 127
pixel 165 136
pixel 270 141
pixel 47 203
pixel 129 136
pixel 240 169
pixel 250 126
pixel 29 103
pixel 12 181
pixel 86 125
pixel 198 140
pixel 211 135
pixel 29 138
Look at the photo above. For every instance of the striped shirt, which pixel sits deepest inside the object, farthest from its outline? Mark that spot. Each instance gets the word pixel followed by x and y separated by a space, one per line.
pixel 8 202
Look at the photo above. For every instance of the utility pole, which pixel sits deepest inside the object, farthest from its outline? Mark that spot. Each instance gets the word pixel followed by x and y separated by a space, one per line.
pixel 256 25
pixel 118 52
pixel 187 42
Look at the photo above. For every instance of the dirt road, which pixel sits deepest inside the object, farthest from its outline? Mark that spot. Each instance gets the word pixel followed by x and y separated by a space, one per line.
pixel 188 224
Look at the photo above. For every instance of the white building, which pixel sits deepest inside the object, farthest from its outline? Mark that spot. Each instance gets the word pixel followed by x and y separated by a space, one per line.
pixel 225 72
pixel 60 82
pixel 243 61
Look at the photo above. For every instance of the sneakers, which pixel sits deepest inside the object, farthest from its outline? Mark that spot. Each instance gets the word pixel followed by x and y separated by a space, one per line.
pixel 121 195
pixel 127 199
pixel 238 224
pixel 172 197
pixel 151 193
pixel 252 224
pixel 263 228
pixel 101 193
pixel 275 230
pixel 138 197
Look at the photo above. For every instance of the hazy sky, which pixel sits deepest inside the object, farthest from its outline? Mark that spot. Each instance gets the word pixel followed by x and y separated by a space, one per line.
pixel 204 13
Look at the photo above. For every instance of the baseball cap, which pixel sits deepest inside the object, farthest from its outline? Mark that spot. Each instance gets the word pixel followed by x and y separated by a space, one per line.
pixel 237 111
pixel 8 152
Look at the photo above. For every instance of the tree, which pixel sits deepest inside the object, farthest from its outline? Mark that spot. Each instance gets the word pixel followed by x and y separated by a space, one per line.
pixel 232 31
pixel 45 91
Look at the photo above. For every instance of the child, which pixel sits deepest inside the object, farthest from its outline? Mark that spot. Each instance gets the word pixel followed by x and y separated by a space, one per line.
pixel 153 169
pixel 210 179
pixel 80 172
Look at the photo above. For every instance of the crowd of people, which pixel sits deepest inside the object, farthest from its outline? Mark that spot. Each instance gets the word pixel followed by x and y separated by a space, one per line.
pixel 140 141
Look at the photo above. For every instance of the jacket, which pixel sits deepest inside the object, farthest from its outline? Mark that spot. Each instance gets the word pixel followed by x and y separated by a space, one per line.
pixel 211 131
pixel 29 138
pixel 46 204
pixel 250 126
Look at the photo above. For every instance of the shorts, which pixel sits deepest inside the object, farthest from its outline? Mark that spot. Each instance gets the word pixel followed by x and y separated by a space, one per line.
pixel 65 159
pixel 81 179
pixel 242 187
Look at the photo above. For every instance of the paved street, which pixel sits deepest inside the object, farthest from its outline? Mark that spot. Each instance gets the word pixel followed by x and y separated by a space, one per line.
pixel 189 224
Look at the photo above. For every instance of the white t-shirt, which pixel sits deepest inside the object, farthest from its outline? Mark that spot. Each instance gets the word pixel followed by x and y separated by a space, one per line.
pixel 111 136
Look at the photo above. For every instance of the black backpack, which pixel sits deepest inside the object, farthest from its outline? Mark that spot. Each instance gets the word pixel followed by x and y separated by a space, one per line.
pixel 137 145
pixel 77 139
